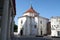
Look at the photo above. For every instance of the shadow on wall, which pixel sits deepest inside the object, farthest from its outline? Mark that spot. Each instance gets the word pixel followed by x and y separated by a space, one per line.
pixel 48 28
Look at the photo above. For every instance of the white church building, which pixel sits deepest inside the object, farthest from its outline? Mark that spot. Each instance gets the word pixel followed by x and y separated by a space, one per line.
pixel 31 24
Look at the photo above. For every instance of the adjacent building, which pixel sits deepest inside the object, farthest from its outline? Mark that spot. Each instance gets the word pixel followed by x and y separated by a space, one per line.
pixel 7 14
pixel 55 26
pixel 31 24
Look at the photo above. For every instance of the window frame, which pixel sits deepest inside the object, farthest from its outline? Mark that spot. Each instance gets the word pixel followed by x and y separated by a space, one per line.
pixel 40 22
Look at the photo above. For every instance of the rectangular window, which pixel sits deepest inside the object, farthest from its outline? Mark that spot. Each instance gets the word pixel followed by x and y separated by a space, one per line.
pixel 35 26
pixel 59 33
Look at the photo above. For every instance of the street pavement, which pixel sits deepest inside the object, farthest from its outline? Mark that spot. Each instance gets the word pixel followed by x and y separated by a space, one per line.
pixel 34 38
pixel 29 38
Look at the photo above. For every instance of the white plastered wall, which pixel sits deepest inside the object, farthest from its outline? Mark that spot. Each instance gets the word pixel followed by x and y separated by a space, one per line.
pixel 21 25
pixel 41 27
pixel 55 21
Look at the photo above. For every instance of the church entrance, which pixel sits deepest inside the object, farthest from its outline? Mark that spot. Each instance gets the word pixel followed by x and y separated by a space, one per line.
pixel 21 32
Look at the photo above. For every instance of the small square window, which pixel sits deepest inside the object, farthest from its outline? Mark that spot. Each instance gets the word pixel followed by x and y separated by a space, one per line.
pixel 41 22
pixel 21 21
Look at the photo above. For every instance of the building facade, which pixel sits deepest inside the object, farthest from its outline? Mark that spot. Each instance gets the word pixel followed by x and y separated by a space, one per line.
pixel 7 14
pixel 31 24
pixel 55 26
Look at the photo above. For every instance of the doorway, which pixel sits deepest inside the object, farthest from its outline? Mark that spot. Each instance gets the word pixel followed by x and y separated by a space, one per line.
pixel 21 32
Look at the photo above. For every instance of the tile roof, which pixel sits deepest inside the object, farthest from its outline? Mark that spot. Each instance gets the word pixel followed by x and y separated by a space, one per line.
pixel 31 10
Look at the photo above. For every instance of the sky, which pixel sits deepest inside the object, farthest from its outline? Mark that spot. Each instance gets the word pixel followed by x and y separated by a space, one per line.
pixel 46 8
